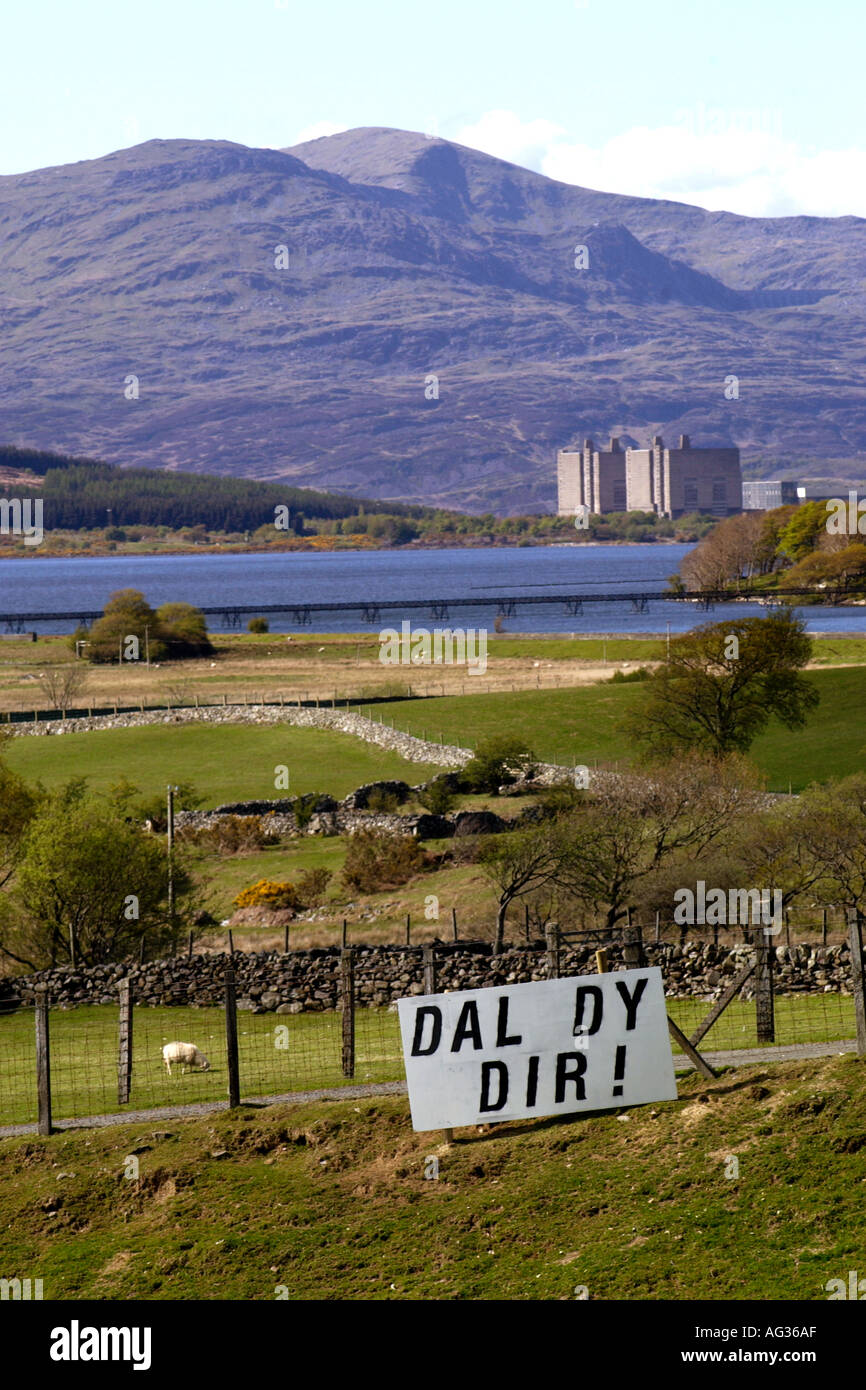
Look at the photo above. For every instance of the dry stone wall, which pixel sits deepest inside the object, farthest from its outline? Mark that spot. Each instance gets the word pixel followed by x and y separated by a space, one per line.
pixel 304 981
pixel 339 721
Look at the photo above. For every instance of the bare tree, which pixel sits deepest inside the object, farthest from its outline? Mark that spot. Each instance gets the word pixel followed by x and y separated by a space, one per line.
pixel 519 863
pixel 62 684
pixel 634 825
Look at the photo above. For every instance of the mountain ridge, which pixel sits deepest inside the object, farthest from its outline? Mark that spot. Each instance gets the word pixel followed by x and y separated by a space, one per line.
pixel 410 258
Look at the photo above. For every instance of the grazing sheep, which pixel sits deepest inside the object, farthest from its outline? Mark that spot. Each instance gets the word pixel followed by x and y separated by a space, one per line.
pixel 187 1054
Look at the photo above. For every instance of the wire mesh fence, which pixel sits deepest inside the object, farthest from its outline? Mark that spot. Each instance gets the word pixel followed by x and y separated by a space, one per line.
pixel 91 1050
pixel 798 1018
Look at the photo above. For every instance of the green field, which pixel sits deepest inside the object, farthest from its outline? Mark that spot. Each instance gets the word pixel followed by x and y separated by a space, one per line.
pixel 237 762
pixel 330 1200
pixel 234 762
pixel 84 1050
pixel 581 726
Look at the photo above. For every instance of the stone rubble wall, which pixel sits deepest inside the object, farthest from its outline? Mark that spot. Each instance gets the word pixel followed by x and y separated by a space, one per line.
pixel 309 980
pixel 340 721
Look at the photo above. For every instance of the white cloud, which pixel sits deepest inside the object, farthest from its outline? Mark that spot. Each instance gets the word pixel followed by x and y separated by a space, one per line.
pixel 736 161
pixel 503 134
pixel 317 131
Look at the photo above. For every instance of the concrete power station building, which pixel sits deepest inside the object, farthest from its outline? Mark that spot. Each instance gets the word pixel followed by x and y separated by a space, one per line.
pixel 669 482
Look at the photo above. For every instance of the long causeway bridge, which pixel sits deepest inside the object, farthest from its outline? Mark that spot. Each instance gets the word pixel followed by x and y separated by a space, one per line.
pixel 440 609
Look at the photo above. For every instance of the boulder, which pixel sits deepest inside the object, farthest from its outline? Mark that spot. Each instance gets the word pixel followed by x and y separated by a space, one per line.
pixel 478 823
pixel 430 827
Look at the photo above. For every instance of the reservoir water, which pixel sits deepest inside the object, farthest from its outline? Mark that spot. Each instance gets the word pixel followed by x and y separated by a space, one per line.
pixel 208 580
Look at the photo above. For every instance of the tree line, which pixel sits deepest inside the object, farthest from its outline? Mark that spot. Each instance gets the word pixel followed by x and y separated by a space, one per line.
pixel 789 547
pixel 84 494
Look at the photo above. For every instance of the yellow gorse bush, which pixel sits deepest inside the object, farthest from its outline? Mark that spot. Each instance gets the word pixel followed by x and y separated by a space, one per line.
pixel 267 893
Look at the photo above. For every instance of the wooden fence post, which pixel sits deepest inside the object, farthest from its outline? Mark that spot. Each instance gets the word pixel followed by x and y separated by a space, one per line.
pixel 348 999
pixel 43 1060
pixel 124 1044
pixel 551 933
pixel 601 962
pixel 700 1063
pixel 632 946
pixel 231 944
pixel 232 1040
pixel 343 936
pixel 189 948
pixel 823 926
pixel 286 938
pixel 408 928
pixel 764 1013
pixel 429 960
pixel 658 924
pixel 454 922
pixel 429 963
pixel 855 937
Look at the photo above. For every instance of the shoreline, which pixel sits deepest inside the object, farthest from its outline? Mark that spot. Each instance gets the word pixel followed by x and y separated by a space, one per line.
pixel 34 552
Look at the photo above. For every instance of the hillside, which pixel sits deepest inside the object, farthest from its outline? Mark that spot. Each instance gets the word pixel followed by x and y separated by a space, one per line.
pixel 410 256
pixel 330 1200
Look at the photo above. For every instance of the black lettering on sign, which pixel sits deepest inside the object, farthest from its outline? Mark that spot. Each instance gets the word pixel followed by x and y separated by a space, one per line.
pixel 467 1027
pixel 631 1001
pixel 532 1081
pixel 502 1038
pixel 565 1073
pixel 421 1014
pixel 582 993
pixel 487 1070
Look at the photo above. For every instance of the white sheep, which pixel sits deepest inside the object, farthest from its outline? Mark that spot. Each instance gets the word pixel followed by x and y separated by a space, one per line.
pixel 187 1054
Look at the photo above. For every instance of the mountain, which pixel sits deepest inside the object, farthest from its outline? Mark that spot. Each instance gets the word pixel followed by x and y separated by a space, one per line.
pixel 410 257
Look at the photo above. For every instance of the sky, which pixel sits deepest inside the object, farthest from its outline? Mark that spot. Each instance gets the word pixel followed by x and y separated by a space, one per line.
pixel 752 106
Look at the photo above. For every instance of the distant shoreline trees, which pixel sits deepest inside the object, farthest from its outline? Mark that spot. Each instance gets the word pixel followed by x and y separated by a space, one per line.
pixel 788 547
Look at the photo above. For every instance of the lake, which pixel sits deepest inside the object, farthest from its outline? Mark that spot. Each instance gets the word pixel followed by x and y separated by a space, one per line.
pixel 207 580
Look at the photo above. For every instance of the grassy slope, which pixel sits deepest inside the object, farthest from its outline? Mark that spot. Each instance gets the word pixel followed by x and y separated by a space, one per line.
pixel 225 763
pixel 330 1200
pixel 581 725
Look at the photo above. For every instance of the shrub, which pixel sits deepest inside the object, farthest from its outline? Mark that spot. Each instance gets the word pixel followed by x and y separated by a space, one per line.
pixel 438 797
pixel 312 886
pixel 258 625
pixel 497 760
pixel 236 835
pixel 269 894
pixel 382 802
pixel 304 806
pixel 376 860
pixel 626 677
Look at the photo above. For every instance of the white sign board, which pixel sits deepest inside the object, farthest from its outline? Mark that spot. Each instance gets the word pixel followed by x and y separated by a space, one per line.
pixel 558 1047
